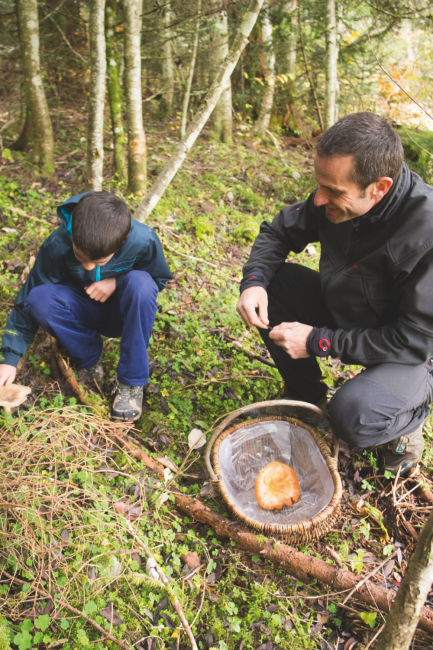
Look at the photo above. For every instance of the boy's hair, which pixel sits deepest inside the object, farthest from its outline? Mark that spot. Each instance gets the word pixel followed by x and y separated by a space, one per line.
pixel 376 148
pixel 100 224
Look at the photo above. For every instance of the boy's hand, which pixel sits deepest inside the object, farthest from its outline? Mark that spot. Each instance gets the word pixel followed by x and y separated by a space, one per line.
pixel 7 374
pixel 251 299
pixel 292 337
pixel 101 290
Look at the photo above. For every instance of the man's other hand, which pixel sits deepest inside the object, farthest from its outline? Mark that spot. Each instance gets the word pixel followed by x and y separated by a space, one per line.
pixel 251 299
pixel 101 290
pixel 7 374
pixel 292 337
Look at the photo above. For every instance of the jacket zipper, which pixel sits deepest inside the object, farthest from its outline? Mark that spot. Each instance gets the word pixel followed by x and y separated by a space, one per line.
pixel 348 264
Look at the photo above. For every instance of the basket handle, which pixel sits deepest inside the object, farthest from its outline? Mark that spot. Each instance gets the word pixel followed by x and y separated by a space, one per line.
pixel 259 405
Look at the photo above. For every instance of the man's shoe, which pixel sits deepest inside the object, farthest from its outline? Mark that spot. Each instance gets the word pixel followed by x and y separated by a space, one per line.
pixel 93 372
pixel 404 452
pixel 127 403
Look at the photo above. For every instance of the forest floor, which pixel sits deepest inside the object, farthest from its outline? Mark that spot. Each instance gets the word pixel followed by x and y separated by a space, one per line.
pixel 206 221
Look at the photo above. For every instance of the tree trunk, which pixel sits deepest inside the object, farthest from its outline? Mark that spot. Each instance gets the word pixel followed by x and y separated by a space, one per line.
pixel 331 65
pixel 43 153
pixel 221 129
pixel 202 115
pixel 134 105
pixel 115 91
pixel 308 71
pixel 262 124
pixel 26 134
pixel 95 127
pixel 190 75
pixel 409 603
pixel 168 63
pixel 290 9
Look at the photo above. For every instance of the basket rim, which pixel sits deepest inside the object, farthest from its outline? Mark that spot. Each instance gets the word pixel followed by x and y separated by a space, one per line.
pixel 302 527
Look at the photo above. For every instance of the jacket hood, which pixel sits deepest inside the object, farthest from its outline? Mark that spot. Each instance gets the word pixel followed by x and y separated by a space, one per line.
pixel 64 211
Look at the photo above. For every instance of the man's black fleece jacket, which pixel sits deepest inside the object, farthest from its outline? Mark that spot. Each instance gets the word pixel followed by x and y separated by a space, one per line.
pixel 376 273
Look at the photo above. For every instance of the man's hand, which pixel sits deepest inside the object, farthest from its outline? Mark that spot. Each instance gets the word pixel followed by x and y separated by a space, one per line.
pixel 101 290
pixel 251 299
pixel 292 337
pixel 7 374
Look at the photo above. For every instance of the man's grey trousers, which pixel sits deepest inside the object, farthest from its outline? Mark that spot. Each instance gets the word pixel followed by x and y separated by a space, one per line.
pixel 379 404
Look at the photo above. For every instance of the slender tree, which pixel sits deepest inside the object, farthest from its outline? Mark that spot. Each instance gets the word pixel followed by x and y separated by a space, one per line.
pixel 262 124
pixel 414 588
pixel 134 106
pixel 202 115
pixel 95 129
pixel 168 63
pixel 290 9
pixel 43 153
pixel 115 90
pixel 331 65
pixel 190 74
pixel 221 129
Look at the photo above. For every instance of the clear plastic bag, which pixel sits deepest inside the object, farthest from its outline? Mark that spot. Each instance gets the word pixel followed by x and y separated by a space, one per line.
pixel 244 453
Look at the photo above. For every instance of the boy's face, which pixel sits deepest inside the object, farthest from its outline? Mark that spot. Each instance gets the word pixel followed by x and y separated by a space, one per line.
pixel 88 264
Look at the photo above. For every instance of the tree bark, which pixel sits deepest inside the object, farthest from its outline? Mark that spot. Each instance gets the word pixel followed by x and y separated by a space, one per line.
pixel 190 75
pixel 221 129
pixel 134 106
pixel 202 115
pixel 331 65
pixel 262 124
pixel 95 128
pixel 408 605
pixel 43 153
pixel 168 63
pixel 25 137
pixel 115 90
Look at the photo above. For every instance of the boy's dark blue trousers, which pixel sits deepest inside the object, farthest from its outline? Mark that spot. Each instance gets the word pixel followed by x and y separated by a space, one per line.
pixel 78 321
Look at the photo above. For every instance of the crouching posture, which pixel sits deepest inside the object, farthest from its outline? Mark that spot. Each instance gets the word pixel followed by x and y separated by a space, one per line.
pixel 371 301
pixel 99 273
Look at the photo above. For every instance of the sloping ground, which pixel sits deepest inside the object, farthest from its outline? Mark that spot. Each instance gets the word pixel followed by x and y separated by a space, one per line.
pixel 206 222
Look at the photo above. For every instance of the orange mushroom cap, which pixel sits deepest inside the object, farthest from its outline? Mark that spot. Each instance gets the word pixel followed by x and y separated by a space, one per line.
pixel 277 486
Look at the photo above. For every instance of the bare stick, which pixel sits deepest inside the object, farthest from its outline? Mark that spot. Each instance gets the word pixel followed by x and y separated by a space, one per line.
pixel 78 390
pixel 173 598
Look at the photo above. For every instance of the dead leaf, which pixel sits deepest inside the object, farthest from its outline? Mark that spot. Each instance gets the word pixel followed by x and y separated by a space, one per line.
pixel 192 559
pixel 388 568
pixel 110 614
pixel 196 439
pixel 208 490
pixel 168 620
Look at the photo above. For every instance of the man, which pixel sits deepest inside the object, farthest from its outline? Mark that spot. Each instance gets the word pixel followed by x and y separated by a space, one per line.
pixel 370 303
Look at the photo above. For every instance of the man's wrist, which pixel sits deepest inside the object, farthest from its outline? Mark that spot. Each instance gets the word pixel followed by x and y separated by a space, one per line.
pixel 319 342
pixel 255 278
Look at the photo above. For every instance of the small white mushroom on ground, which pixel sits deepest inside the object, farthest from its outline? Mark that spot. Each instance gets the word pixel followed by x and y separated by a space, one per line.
pixel 12 396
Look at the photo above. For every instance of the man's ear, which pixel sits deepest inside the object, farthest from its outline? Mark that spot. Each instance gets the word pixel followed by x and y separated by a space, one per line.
pixel 381 187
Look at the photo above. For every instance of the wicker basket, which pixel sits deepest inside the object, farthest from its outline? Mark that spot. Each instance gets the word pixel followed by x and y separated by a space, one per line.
pixel 294 534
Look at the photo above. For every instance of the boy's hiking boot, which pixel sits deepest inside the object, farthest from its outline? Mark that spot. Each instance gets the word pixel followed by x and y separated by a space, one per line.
pixel 404 452
pixel 127 405
pixel 93 372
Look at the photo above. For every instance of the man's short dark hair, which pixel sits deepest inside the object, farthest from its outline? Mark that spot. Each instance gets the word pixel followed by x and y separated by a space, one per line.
pixel 371 140
pixel 100 224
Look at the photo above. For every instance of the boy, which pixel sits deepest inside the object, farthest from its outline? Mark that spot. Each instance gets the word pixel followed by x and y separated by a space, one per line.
pixel 98 273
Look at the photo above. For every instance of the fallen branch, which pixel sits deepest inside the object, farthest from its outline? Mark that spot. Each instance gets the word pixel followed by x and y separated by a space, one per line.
pixel 173 598
pixel 78 390
pixel 300 566
pixel 74 610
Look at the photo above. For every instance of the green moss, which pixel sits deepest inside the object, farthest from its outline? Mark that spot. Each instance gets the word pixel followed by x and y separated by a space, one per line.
pixel 247 230
pixel 4 635
pixel 203 228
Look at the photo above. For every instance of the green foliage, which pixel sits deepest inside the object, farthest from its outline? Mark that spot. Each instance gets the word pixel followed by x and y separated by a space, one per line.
pixel 203 228
pixel 247 230
pixel 369 618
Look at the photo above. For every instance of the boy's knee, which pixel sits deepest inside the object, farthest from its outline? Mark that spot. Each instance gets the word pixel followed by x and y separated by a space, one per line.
pixel 39 302
pixel 140 284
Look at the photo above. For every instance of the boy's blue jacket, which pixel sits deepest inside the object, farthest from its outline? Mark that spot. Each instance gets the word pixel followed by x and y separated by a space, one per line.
pixel 57 264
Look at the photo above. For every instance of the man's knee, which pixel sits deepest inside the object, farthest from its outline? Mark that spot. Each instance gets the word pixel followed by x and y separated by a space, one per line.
pixel 140 285
pixel 354 416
